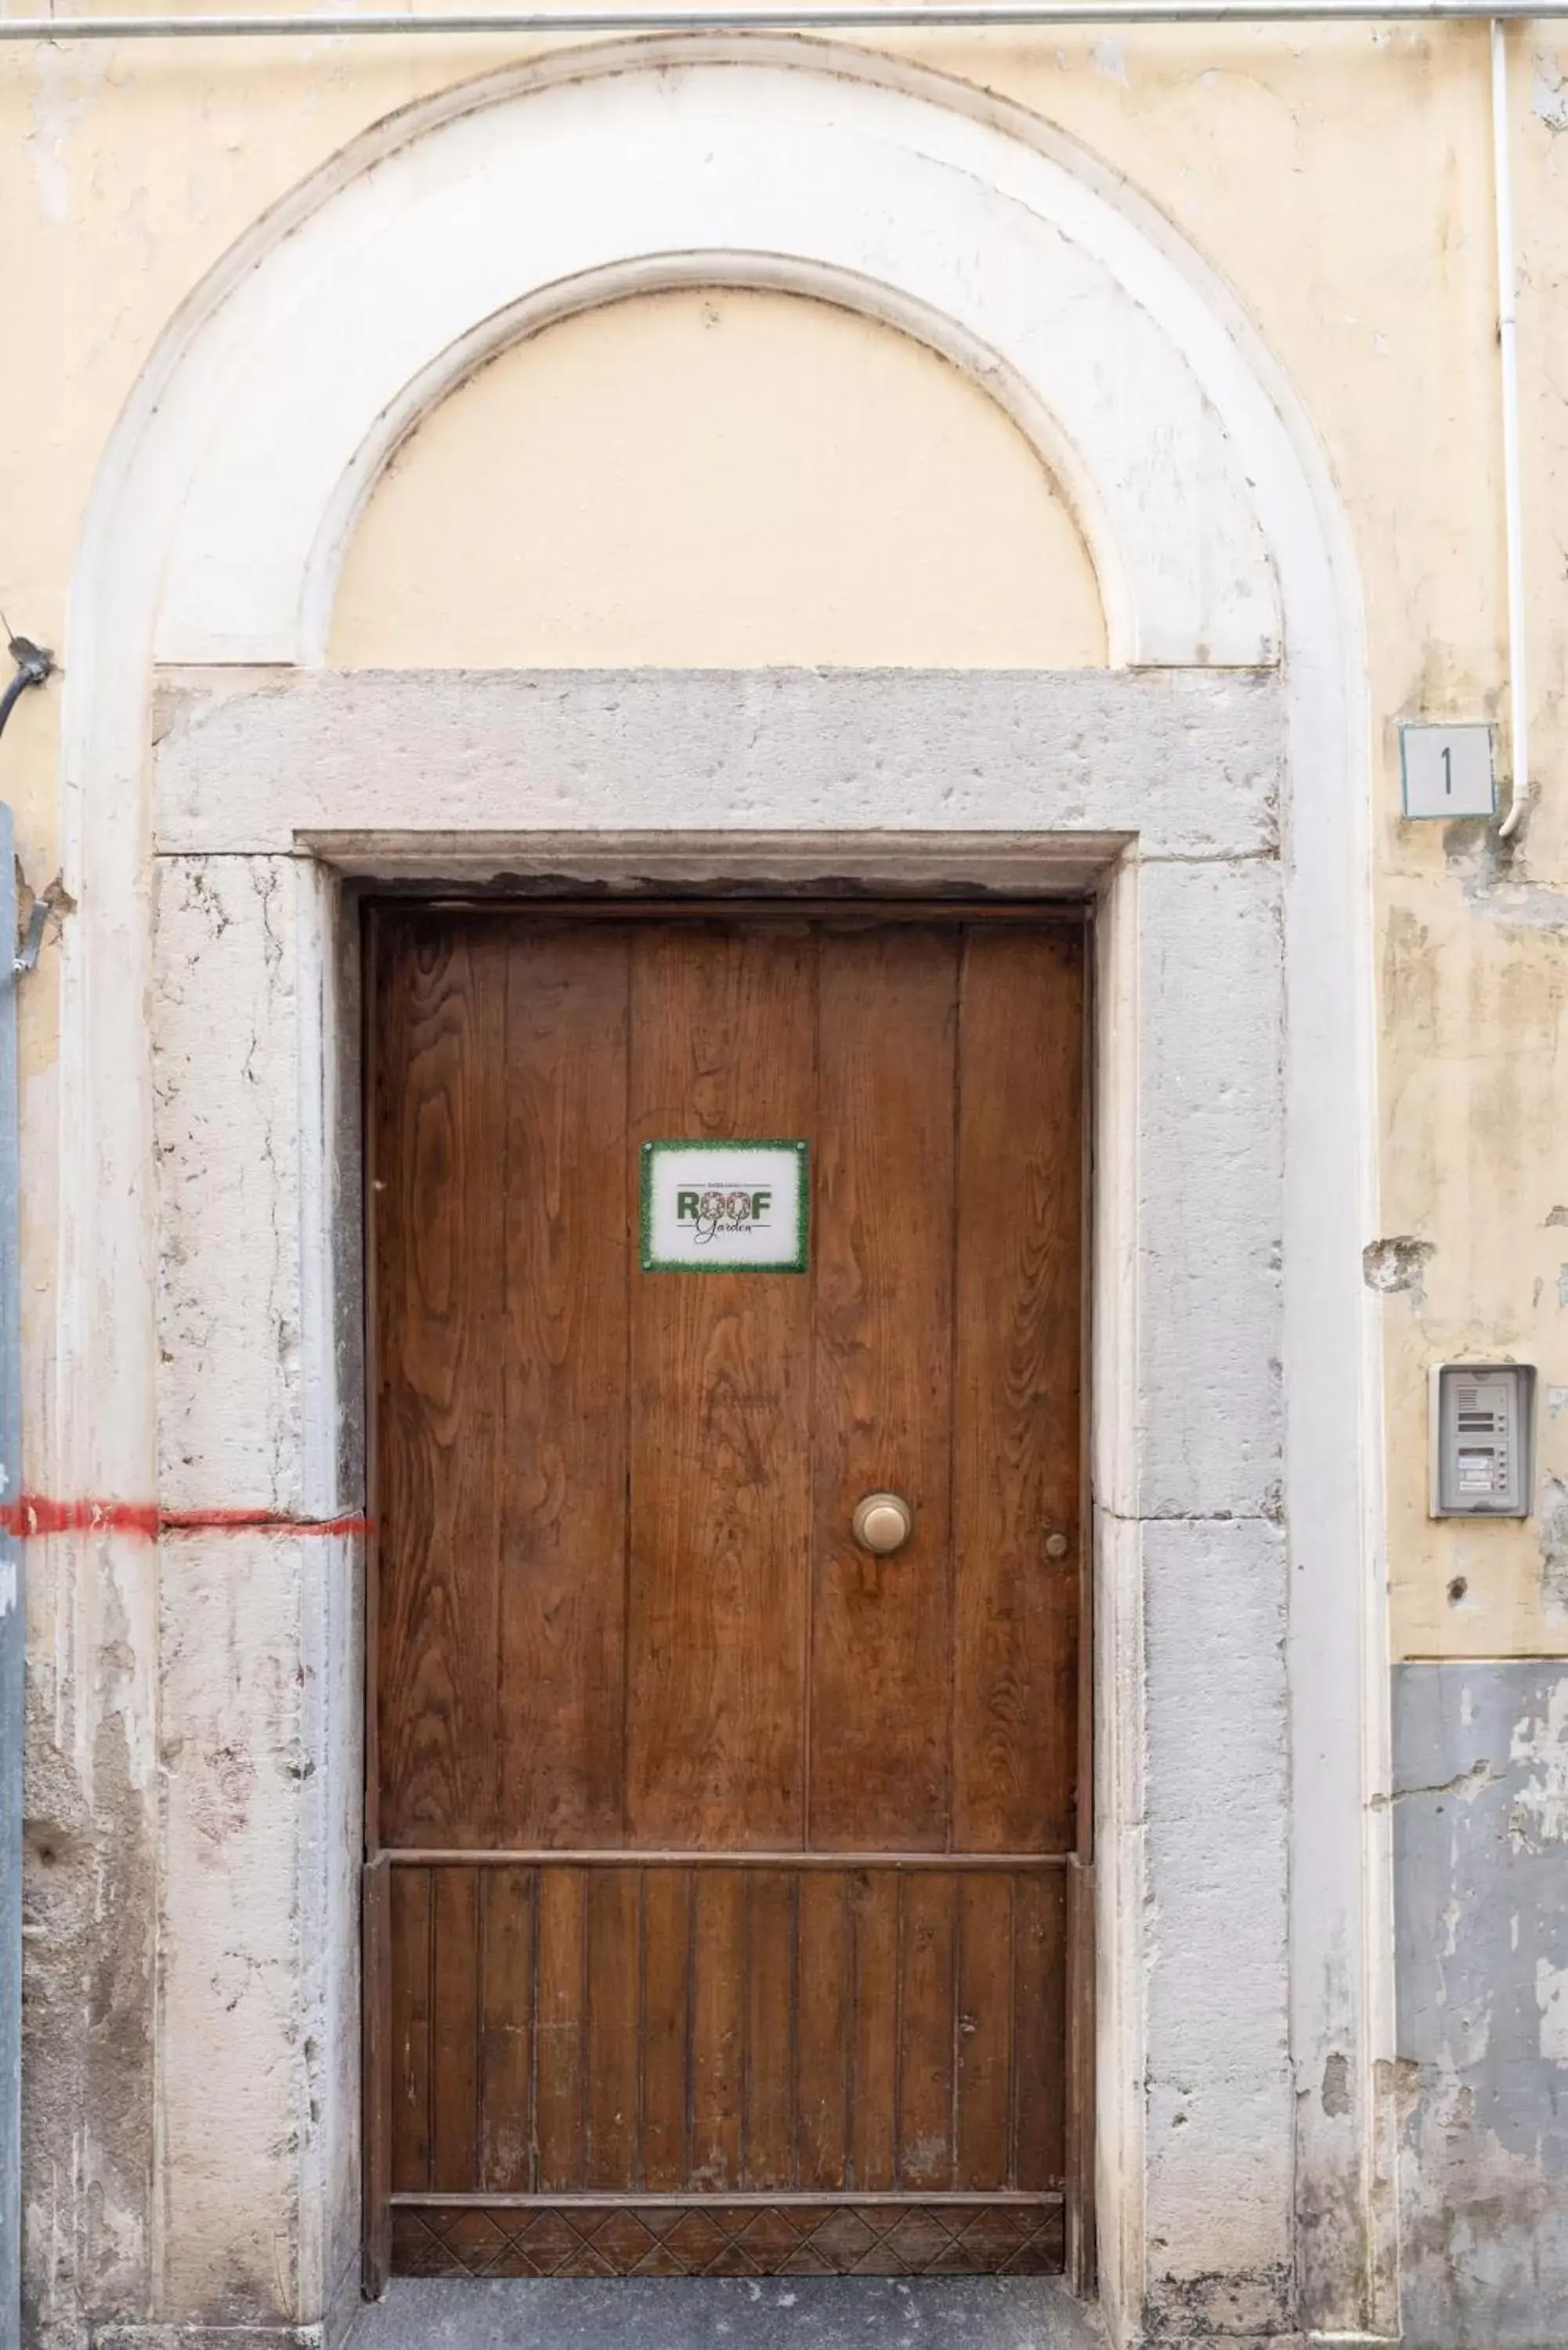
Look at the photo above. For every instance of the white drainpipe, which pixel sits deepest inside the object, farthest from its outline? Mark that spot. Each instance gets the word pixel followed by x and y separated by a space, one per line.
pixel 1512 488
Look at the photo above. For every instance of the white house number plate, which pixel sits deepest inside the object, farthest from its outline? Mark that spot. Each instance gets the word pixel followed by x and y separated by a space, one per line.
pixel 724 1207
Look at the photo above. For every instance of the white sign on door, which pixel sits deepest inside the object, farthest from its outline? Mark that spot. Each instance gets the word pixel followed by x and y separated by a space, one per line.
pixel 724 1206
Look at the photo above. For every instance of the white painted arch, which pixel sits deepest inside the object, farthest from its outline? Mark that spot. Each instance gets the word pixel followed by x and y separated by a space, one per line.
pixel 213 536
pixel 463 240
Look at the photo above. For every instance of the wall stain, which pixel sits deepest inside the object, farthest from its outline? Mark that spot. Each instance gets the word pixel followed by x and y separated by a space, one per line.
pixel 1228 2302
pixel 88 2019
pixel 1336 2092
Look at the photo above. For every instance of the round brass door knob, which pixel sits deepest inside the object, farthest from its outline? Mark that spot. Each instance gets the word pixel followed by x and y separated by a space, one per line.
pixel 883 1521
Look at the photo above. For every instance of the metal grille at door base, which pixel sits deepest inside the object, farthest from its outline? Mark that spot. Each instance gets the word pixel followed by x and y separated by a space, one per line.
pixel 728 2239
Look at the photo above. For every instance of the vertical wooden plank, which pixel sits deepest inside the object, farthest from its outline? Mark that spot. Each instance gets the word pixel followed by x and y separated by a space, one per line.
pixel 375 1977
pixel 882 1638
pixel 373 1045
pixel 440 1142
pixel 772 1961
pixel 1016 1452
pixel 668 1897
pixel 984 2041
pixel 408 1905
pixel 722 1047
pixel 565 1337
pixel 874 2031
pixel 718 2028
pixel 614 2000
pixel 558 2030
pixel 507 2044
pixel 926 1989
pixel 1084 1838
pixel 1040 2030
pixel 825 1994
pixel 454 2029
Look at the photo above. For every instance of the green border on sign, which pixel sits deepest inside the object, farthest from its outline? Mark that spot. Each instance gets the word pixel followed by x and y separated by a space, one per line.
pixel 796 1263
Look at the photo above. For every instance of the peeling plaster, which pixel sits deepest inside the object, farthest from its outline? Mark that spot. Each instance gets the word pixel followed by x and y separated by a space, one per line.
pixel 1517 905
pixel 1395 1264
pixel 1539 1814
pixel 1551 1998
pixel 1548 97
pixel 1553 1515
pixel 1336 2097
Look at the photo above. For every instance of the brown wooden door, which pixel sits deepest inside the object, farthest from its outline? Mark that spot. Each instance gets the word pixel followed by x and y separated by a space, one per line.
pixel 727 1865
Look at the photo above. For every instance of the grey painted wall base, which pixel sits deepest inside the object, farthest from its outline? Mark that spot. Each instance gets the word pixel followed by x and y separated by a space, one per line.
pixel 777 2314
pixel 211 2337
pixel 1480 1859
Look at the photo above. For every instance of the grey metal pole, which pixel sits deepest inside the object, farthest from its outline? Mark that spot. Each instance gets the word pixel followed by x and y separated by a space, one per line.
pixel 806 17
pixel 12 1622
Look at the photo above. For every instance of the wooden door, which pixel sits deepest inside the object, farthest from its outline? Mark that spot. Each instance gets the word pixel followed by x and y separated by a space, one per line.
pixel 723 1868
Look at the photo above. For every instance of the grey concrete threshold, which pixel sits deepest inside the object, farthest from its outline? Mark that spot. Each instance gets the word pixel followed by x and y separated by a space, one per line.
pixel 728 2313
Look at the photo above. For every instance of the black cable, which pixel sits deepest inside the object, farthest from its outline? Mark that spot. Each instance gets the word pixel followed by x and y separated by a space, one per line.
pixel 34 664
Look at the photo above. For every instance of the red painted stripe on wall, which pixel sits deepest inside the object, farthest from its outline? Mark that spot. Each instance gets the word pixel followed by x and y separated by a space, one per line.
pixel 40 1513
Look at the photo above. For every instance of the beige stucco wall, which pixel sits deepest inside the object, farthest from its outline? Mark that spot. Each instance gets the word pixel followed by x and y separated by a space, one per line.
pixel 718 479
pixel 1340 181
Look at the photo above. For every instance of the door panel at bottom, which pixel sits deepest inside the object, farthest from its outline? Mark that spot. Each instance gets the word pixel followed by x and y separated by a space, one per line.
pixel 805 2236
pixel 710 2028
